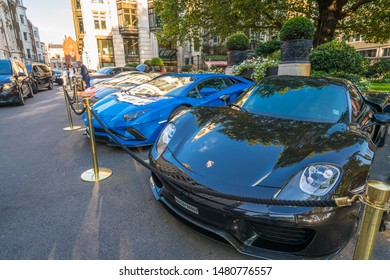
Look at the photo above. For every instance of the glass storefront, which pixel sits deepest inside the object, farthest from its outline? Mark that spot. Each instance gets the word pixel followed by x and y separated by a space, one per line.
pixel 106 52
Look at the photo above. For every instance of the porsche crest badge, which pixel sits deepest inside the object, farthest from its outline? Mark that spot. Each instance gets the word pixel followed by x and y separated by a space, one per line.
pixel 209 164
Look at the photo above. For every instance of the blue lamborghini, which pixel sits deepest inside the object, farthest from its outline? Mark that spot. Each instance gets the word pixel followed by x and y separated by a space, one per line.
pixel 138 115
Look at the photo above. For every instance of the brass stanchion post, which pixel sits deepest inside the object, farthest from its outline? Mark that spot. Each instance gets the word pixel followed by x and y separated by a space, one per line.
pixel 377 195
pixel 76 96
pixel 70 127
pixel 95 174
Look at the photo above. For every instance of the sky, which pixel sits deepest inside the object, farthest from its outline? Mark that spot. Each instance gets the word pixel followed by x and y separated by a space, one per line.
pixel 53 19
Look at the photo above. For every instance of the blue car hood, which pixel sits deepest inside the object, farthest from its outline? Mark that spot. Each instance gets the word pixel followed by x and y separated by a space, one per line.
pixel 5 79
pixel 113 107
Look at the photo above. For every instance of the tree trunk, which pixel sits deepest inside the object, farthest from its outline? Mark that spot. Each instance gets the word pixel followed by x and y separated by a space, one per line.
pixel 330 13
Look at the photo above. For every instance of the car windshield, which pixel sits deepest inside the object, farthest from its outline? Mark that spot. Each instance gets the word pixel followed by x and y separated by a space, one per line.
pixel 5 67
pixel 104 70
pixel 166 85
pixel 292 98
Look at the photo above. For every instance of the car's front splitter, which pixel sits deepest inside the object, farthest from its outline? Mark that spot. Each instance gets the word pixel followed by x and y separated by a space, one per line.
pixel 260 234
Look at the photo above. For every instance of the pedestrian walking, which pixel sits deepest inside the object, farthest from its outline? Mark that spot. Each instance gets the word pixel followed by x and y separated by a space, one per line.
pixel 84 73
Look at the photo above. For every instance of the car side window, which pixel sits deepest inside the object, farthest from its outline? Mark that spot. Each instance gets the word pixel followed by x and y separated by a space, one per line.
pixel 194 93
pixel 216 83
pixel 356 101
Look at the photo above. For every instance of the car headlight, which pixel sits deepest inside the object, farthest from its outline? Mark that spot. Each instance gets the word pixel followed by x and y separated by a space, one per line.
pixel 165 137
pixel 314 182
pixel 133 115
pixel 7 86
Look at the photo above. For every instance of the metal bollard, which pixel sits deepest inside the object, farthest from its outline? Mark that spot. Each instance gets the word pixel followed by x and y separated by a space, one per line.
pixel 70 127
pixel 377 194
pixel 95 174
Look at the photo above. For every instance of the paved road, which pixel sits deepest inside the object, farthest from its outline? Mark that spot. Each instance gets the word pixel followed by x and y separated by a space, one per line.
pixel 47 212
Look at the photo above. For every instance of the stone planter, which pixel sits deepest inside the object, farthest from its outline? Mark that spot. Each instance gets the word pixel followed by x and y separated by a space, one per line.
pixel 236 57
pixel 247 73
pixel 296 51
pixel 272 71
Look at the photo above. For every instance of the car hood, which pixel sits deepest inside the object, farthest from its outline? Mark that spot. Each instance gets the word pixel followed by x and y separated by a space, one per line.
pixel 112 108
pixel 98 76
pixel 223 146
pixel 5 79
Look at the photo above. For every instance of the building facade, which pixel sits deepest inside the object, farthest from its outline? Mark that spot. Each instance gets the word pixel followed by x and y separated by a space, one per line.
pixel 56 55
pixel 19 38
pixel 374 52
pixel 113 32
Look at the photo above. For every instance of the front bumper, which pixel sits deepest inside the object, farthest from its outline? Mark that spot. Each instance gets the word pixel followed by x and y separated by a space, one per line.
pixel 143 134
pixel 319 233
pixel 9 96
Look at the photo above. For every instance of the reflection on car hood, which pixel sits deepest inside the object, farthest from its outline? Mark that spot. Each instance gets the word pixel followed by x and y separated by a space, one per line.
pixel 112 108
pixel 230 147
pixel 5 79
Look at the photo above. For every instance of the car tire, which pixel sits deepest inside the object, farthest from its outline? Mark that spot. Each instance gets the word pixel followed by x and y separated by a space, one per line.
pixel 50 86
pixel 35 87
pixel 31 93
pixel 176 111
pixel 21 97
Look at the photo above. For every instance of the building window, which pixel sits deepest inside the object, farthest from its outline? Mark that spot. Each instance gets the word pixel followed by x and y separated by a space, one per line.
pixel 106 52
pixel 386 52
pixel 99 19
pixel 78 5
pixel 130 45
pixel 368 53
pixel 25 36
pixel 29 53
pixel 154 20
pixel 22 19
pixel 127 15
pixel 97 1
pixel 81 24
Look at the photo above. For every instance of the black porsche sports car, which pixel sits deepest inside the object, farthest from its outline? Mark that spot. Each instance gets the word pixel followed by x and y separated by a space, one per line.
pixel 286 138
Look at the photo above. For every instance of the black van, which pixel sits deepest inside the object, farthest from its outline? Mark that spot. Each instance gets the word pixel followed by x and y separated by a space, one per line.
pixel 41 75
pixel 14 82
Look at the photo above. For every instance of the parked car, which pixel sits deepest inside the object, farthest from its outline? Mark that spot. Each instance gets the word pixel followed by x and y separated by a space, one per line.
pixel 108 72
pixel 41 76
pixel 107 82
pixel 287 138
pixel 57 77
pixel 14 82
pixel 138 114
pixel 121 84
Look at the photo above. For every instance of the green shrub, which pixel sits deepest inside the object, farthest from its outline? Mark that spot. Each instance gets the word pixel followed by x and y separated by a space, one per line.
pixel 337 57
pixel 238 42
pixel 188 68
pixel 297 28
pixel 275 56
pixel 156 61
pixel 148 62
pixel 267 48
pixel 381 67
pixel 385 79
pixel 131 64
pixel 214 57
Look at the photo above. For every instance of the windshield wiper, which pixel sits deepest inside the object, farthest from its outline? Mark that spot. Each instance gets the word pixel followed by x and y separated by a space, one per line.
pixel 239 107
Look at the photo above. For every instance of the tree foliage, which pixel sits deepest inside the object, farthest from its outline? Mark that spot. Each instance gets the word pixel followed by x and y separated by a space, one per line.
pixel 184 20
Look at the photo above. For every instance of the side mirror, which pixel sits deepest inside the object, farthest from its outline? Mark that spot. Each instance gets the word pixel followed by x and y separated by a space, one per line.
pixel 382 119
pixel 225 98
pixel 207 91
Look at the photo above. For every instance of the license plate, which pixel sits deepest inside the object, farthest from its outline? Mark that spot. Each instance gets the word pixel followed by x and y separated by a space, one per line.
pixel 187 206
